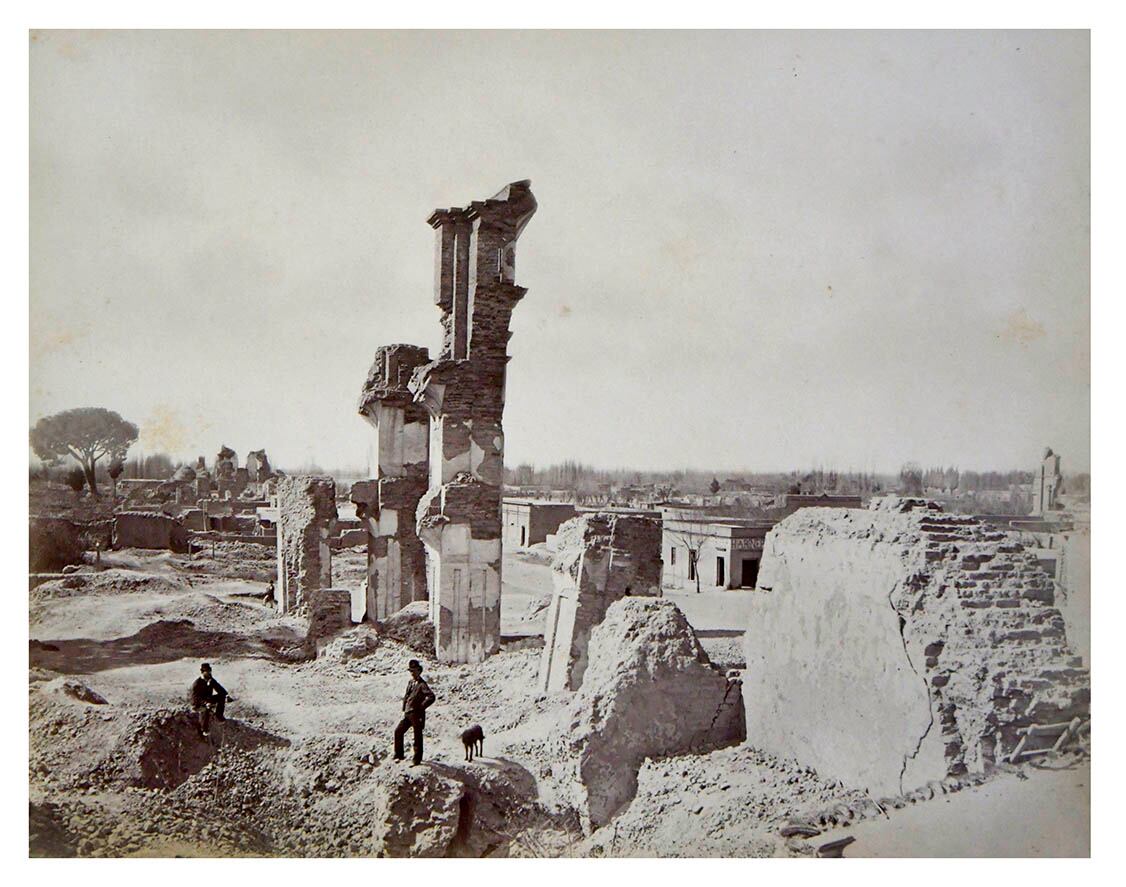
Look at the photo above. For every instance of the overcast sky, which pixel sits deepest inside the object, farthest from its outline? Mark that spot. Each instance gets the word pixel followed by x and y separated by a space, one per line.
pixel 753 251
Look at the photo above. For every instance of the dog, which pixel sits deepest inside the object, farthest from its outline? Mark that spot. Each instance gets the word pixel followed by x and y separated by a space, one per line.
pixel 474 741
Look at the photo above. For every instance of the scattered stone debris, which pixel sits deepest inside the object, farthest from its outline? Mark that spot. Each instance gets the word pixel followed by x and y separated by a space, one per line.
pixel 834 849
pixel 79 691
pixel 411 625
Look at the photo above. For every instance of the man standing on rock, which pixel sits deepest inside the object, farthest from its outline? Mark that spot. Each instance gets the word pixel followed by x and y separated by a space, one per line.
pixel 208 695
pixel 416 700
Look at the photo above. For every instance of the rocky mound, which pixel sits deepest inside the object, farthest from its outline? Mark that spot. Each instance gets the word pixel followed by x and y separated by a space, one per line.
pixel 648 691
pixel 727 803
pixel 75 690
pixel 78 740
pixel 417 812
pixel 355 643
pixel 108 582
pixel 47 835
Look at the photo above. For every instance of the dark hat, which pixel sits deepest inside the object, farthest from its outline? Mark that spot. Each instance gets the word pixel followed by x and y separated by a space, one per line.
pixel 414 663
pixel 206 666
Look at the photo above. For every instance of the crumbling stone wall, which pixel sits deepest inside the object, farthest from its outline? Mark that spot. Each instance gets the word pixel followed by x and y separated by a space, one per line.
pixel 306 515
pixel 55 543
pixel 396 566
pixel 600 558
pixel 146 529
pixel 1073 591
pixel 459 517
pixel 897 645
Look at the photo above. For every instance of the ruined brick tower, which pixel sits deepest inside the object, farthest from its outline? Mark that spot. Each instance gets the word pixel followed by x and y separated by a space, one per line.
pixel 459 517
pixel 396 565
pixel 433 510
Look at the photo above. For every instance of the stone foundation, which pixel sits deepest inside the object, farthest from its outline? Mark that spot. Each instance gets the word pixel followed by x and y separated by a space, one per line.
pixel 306 515
pixel 600 558
pixel 897 645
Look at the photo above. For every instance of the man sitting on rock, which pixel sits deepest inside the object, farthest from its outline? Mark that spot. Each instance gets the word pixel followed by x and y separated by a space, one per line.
pixel 208 696
pixel 416 700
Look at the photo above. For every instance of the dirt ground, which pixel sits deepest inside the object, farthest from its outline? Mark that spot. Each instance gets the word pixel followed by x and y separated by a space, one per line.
pixel 302 765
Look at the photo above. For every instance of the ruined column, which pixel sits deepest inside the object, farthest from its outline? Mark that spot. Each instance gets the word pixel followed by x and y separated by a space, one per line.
pixel 396 566
pixel 306 518
pixel 600 559
pixel 459 518
pixel 258 466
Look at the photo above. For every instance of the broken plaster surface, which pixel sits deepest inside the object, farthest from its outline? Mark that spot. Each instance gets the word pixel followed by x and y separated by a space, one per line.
pixel 890 648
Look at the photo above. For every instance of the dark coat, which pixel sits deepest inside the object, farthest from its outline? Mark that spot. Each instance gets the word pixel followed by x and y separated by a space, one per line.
pixel 418 697
pixel 202 692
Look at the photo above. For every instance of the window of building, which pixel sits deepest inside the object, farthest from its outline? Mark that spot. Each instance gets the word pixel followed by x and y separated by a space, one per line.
pixel 672 556
pixel 691 564
pixel 720 577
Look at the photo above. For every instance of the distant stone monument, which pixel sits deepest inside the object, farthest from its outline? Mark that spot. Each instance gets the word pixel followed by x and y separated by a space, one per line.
pixel 1046 483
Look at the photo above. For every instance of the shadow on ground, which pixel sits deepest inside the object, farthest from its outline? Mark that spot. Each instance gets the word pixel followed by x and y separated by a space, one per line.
pixel 164 641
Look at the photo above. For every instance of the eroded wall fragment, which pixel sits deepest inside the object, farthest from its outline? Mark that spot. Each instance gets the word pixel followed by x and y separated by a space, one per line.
pixel 892 646
pixel 306 518
pixel 600 558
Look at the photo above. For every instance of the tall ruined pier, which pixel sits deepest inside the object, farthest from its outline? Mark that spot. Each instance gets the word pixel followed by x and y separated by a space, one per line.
pixel 459 517
pixel 433 510
pixel 396 565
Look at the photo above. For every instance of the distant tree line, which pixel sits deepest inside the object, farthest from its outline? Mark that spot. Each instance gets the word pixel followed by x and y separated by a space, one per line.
pixel 914 479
